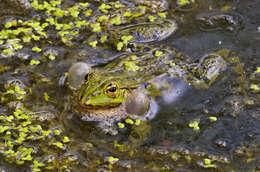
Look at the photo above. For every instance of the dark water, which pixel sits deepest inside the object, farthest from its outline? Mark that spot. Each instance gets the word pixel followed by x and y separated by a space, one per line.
pixel 166 142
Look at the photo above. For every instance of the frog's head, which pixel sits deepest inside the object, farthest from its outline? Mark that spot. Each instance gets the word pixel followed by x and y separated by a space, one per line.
pixel 99 91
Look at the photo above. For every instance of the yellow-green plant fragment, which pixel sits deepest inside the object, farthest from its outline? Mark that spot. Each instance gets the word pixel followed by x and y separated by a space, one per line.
pixel 121 125
pixel 112 159
pixel 172 64
pixel 133 57
pixel 116 20
pixel 83 4
pixel 158 53
pixel 7 51
pixel 51 57
pixel 57 132
pixel 213 118
pixel 46 96
pixel 66 139
pixel 119 46
pixel 194 125
pixel 34 62
pixel 88 12
pixel 129 121
pixel 58 144
pixel 103 38
pixel 93 43
pixel 254 87
pixel 137 122
pixel 37 49
pixel 127 14
pixel 131 65
pixel 151 18
pixel 104 7
pixel 95 27
pixel 225 8
pixel 257 70
pixel 162 15
pixel 207 163
pixel 126 38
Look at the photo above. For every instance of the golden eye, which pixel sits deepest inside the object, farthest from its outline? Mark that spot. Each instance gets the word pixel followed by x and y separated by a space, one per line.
pixel 112 90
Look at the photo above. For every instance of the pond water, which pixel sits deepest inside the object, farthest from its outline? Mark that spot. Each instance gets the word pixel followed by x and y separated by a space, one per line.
pixel 213 129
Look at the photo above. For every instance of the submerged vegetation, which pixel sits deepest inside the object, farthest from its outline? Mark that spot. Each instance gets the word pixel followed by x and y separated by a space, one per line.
pixel 217 130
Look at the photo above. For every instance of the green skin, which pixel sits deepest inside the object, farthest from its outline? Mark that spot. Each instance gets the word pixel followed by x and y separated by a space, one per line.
pixel 94 92
pixel 138 24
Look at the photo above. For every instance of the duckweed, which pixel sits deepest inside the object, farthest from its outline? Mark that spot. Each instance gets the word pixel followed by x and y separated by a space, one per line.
pixel 95 27
pixel 151 18
pixel 119 46
pixel 257 70
pixel 88 13
pixel 58 144
pixel 93 43
pixel 172 64
pixel 194 125
pixel 116 20
pixel 213 118
pixel 127 14
pixel 158 53
pixel 254 87
pixel 37 49
pixel 66 139
pixel 104 7
pixel 22 138
pixel 137 122
pixel 112 159
pixel 102 18
pixel 208 163
pixel 121 125
pixel 125 39
pixel 34 62
pixel 51 57
pixel 129 121
pixel 131 65
pixel 133 57
pixel 7 51
pixel 162 15
pixel 57 132
pixel 183 2
pixel 103 39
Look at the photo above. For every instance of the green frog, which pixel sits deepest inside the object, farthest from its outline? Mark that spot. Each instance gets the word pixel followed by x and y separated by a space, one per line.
pixel 119 23
pixel 128 85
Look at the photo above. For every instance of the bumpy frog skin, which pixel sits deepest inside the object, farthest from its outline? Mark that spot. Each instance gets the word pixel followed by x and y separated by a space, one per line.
pixel 108 92
pixel 148 32
pixel 137 19
pixel 102 97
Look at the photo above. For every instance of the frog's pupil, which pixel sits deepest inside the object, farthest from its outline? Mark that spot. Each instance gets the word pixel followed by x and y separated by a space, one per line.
pixel 86 77
pixel 112 89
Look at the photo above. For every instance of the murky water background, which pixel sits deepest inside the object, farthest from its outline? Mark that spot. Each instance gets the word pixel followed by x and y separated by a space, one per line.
pixel 165 143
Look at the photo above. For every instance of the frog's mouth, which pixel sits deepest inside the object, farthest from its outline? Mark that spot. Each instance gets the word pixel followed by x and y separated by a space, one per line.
pixel 90 106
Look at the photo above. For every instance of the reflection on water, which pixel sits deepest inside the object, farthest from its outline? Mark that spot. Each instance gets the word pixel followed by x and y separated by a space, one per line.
pixel 188 129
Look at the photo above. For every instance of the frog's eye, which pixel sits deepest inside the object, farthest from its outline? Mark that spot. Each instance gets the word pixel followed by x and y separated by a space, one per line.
pixel 112 90
pixel 86 77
